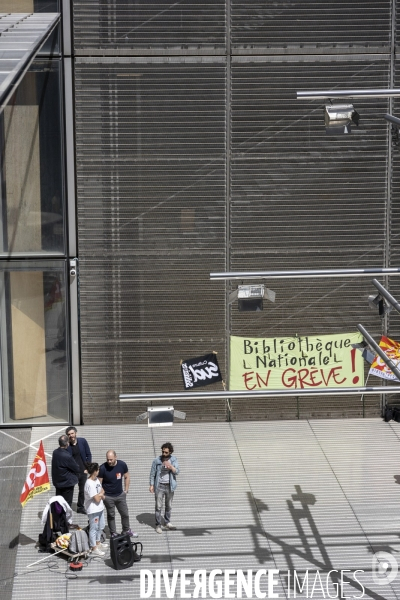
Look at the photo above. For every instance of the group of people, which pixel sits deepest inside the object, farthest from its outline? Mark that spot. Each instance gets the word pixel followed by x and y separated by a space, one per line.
pixel 106 485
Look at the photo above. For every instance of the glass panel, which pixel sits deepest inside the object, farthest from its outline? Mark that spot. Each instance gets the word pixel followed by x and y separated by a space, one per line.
pixel 17 6
pixel 52 45
pixel 32 190
pixel 29 6
pixel 33 338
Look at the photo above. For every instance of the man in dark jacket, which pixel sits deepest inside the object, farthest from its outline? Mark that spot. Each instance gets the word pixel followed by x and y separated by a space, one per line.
pixel 80 451
pixel 64 470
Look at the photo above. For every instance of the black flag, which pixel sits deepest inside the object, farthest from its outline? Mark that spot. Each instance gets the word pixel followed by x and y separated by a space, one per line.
pixel 200 371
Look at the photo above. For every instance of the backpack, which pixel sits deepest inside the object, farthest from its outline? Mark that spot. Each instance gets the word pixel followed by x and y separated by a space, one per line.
pixel 79 542
pixel 388 413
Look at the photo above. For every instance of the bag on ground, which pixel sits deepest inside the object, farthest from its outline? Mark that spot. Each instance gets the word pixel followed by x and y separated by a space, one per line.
pixel 79 542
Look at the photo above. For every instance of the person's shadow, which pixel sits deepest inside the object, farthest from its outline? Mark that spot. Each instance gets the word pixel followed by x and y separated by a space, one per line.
pixel 146 519
pixel 22 540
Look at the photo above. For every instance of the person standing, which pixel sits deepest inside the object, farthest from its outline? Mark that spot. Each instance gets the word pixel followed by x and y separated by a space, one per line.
pixel 80 451
pixel 111 474
pixel 163 472
pixel 94 496
pixel 64 470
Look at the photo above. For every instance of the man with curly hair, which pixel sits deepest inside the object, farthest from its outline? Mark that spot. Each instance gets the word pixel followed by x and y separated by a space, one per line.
pixel 163 474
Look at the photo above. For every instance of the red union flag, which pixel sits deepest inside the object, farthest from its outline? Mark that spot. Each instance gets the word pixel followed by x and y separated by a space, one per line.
pixel 37 480
pixel 392 350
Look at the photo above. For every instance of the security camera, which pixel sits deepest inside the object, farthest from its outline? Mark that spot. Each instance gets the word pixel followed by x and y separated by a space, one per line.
pixel 73 263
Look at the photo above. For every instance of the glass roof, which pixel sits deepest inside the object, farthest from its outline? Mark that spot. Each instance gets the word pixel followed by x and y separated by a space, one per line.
pixel 21 37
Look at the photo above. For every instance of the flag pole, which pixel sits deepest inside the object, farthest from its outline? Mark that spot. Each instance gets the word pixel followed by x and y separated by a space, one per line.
pixel 45 558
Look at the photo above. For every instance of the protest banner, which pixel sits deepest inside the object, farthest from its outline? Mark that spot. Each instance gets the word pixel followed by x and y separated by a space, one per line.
pixel 200 371
pixel 296 362
pixel 37 480
pixel 392 350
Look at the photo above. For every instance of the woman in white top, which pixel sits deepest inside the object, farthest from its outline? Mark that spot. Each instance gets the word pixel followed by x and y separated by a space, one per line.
pixel 94 505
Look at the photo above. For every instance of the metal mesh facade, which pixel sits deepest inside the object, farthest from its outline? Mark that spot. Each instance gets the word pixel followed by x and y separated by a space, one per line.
pixel 194 156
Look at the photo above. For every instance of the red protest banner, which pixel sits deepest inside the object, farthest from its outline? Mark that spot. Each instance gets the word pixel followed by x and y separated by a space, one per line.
pixel 37 480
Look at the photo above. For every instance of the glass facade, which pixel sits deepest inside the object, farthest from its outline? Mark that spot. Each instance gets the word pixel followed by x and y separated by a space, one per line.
pixel 34 279
pixel 32 190
pixel 33 338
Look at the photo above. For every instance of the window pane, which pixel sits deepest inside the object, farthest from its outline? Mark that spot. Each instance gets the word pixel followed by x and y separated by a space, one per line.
pixel 33 323
pixel 32 193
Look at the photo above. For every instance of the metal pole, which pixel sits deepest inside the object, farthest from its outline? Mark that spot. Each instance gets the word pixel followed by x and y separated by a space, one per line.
pixel 392 119
pixel 306 274
pixel 328 95
pixel 380 352
pixel 45 558
pixel 290 392
pixel 387 295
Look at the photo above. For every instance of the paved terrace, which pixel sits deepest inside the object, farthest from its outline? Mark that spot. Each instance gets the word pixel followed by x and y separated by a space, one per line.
pixel 285 495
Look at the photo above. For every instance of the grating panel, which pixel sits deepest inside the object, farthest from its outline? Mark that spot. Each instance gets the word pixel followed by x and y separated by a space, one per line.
pixel 303 200
pixel 139 27
pixel 301 26
pixel 151 218
pixel 155 215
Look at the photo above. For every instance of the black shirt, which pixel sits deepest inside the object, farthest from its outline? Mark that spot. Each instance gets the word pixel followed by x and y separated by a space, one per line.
pixel 112 477
pixel 77 457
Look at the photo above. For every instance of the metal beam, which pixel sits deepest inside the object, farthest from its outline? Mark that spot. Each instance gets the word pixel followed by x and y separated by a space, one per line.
pixel 308 274
pixel 331 94
pixel 392 119
pixel 234 394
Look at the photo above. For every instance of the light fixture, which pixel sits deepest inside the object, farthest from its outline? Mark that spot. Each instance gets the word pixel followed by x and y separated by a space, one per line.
pixel 366 353
pixel 379 303
pixel 339 118
pixel 160 416
pixel 250 297
pixel 383 300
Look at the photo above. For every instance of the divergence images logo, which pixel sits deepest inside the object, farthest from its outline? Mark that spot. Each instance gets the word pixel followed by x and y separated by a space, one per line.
pixel 384 568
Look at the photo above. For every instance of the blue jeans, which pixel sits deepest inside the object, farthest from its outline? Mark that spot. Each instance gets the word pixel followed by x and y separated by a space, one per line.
pixel 96 525
pixel 163 491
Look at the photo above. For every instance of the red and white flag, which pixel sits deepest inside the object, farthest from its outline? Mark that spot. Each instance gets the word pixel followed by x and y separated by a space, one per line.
pixel 37 480
pixel 392 350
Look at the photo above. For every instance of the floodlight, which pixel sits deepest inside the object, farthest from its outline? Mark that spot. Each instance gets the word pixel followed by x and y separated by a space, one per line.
pixel 160 416
pixel 366 353
pixel 389 300
pixel 339 118
pixel 250 297
pixel 378 302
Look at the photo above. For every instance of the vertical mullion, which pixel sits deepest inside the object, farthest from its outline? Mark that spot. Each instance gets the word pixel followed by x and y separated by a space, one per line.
pixel 228 184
